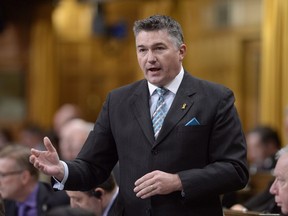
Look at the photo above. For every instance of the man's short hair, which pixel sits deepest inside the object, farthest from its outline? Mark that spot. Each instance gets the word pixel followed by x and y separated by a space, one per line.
pixel 21 156
pixel 108 186
pixel 267 135
pixel 160 22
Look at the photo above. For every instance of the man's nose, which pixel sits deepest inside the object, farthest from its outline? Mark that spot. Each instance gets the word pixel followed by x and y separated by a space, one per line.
pixel 273 188
pixel 151 57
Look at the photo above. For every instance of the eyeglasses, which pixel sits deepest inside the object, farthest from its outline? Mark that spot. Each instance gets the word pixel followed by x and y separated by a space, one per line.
pixel 4 174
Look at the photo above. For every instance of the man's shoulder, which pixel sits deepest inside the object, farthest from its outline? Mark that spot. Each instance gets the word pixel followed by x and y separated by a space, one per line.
pixel 10 207
pixel 131 87
pixel 205 86
pixel 128 91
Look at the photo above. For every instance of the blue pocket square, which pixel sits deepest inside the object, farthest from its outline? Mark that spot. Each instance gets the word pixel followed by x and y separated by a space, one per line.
pixel 192 122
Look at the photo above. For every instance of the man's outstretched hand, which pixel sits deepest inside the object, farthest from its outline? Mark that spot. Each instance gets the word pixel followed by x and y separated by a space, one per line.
pixel 47 161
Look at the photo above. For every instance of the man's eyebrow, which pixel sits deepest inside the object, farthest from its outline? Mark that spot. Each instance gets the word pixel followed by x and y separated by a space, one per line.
pixel 159 43
pixel 153 45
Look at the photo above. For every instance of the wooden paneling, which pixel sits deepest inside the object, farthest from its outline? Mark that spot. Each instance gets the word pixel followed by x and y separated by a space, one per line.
pixel 85 71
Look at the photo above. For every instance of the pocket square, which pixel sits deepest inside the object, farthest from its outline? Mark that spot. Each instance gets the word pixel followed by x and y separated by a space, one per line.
pixel 192 122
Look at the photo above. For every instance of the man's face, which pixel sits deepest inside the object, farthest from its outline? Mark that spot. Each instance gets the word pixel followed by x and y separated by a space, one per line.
pixel 71 142
pixel 158 56
pixel 80 199
pixel 10 179
pixel 255 152
pixel 279 187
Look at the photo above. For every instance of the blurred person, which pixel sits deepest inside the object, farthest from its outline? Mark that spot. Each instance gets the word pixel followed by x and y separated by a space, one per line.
pixel 31 135
pixel 6 137
pixel 100 200
pixel 279 188
pixel 262 144
pixel 62 115
pixel 65 113
pixel 263 201
pixel 23 194
pixel 178 168
pixel 72 136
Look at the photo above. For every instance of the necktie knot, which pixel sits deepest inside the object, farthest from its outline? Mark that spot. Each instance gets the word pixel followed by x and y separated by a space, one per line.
pixel 161 91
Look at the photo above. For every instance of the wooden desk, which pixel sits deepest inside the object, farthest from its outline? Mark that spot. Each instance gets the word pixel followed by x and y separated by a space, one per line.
pixel 228 212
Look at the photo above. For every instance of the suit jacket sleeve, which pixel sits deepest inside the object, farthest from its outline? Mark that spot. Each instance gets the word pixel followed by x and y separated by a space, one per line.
pixel 96 159
pixel 226 168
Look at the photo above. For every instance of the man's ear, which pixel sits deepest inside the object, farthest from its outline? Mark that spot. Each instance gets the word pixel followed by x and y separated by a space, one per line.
pixel 182 51
pixel 25 176
pixel 98 193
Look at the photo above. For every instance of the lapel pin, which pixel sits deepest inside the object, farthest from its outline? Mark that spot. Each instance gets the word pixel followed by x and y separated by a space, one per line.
pixel 183 106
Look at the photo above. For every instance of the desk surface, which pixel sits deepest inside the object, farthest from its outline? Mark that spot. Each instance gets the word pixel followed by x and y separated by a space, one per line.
pixel 228 212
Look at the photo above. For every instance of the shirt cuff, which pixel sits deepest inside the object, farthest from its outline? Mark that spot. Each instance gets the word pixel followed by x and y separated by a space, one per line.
pixel 183 193
pixel 60 185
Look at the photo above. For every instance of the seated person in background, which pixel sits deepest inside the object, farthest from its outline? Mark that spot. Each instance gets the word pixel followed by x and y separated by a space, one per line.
pixel 62 115
pixel 263 142
pixel 72 136
pixel 279 187
pixel 31 135
pixel 101 200
pixel 23 194
pixel 6 137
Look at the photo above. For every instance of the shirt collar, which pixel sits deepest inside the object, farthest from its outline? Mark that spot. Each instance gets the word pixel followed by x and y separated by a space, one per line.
pixel 105 213
pixel 172 86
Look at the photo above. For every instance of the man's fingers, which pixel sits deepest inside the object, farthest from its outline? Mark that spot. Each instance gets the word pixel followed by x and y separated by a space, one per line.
pixel 146 192
pixel 32 159
pixel 48 145
pixel 144 178
pixel 35 152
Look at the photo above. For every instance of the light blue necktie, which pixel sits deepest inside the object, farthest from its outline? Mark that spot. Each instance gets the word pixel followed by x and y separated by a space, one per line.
pixel 160 111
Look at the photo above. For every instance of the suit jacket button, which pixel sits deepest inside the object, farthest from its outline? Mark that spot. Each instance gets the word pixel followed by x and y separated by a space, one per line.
pixel 155 151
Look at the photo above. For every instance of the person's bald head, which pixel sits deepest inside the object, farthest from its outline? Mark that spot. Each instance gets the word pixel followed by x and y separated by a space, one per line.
pixel 72 137
pixel 64 114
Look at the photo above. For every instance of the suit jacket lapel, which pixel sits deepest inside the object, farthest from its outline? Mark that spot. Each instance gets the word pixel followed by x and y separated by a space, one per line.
pixel 140 107
pixel 180 106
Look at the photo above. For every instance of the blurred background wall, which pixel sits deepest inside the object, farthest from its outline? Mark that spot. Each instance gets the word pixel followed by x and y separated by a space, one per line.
pixel 75 51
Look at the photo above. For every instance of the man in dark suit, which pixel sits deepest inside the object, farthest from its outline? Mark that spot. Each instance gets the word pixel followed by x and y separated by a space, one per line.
pixel 20 188
pixel 199 153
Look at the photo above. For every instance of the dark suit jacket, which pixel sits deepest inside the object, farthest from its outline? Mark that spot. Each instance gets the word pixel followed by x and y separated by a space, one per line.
pixel 2 209
pixel 47 199
pixel 210 158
